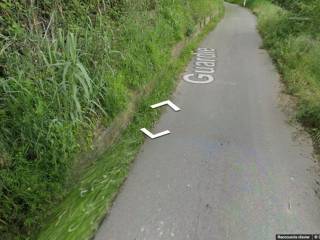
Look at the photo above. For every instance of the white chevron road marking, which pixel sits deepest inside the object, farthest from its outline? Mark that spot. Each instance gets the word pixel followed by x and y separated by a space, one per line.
pixel 167 102
pixel 153 136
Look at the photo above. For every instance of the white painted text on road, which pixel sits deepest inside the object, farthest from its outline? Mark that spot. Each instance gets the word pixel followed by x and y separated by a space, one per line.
pixel 204 67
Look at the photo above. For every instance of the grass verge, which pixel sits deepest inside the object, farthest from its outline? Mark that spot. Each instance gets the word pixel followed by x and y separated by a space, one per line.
pixel 80 214
pixel 67 68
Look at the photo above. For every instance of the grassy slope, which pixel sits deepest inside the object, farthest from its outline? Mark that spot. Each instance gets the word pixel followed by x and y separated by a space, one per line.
pixel 66 67
pixel 79 215
pixel 292 38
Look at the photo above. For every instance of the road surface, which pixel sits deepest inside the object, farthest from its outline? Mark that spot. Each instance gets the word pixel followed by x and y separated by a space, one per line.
pixel 231 168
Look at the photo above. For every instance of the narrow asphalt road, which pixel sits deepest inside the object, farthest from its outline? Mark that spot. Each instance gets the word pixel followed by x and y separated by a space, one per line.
pixel 231 168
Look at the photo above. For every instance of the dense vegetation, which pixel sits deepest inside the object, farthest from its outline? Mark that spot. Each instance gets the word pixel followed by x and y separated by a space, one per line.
pixel 65 67
pixel 291 33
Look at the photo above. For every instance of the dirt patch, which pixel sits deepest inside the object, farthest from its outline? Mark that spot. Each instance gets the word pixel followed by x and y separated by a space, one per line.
pixel 301 135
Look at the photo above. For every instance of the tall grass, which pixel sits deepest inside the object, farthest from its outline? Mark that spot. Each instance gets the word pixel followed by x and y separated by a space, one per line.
pixel 66 66
pixel 80 213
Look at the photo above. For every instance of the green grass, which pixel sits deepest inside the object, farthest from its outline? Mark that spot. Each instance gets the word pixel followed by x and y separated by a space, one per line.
pixel 65 68
pixel 79 215
pixel 291 33
pixel 236 1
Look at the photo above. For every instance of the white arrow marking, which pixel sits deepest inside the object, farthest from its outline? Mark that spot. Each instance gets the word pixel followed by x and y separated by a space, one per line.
pixel 153 136
pixel 168 102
